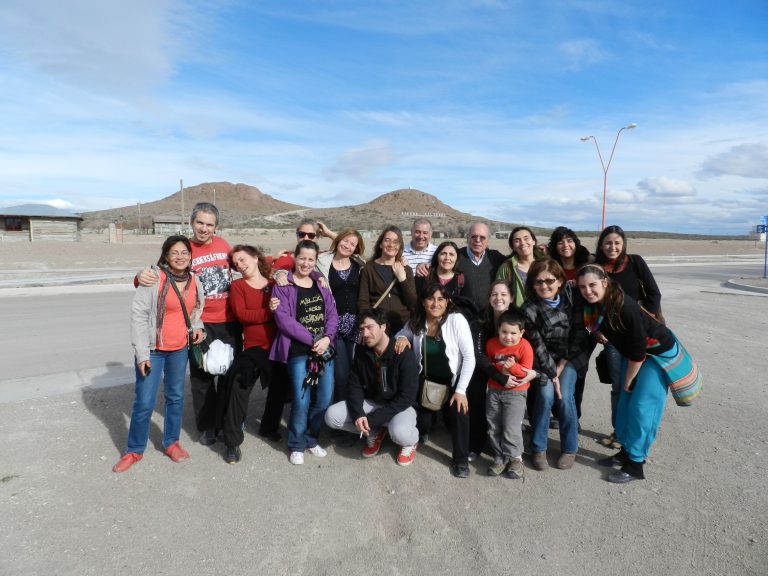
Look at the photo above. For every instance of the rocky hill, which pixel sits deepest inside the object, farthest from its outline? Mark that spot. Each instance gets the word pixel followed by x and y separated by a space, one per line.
pixel 244 206
pixel 237 203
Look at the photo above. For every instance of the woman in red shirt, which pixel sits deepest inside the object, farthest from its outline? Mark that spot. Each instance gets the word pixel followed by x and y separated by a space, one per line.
pixel 249 298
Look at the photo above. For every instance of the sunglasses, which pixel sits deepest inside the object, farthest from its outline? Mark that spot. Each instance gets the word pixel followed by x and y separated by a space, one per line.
pixel 542 281
pixel 479 238
pixel 310 235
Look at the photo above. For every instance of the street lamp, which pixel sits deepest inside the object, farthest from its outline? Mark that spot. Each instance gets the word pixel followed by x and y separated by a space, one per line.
pixel 607 166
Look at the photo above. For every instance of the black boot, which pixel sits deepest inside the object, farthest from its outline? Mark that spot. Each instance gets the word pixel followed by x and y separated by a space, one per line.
pixel 618 459
pixel 629 471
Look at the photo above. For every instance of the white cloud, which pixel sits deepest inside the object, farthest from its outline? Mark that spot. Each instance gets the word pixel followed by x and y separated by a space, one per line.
pixel 747 160
pixel 582 53
pixel 667 188
pixel 105 46
pixel 361 164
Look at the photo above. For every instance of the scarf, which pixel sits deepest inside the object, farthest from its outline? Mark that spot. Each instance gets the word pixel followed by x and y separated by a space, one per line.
pixel 162 297
pixel 593 317
pixel 552 302
pixel 616 267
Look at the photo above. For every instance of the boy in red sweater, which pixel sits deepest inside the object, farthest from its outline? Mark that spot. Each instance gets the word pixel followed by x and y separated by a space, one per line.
pixel 512 355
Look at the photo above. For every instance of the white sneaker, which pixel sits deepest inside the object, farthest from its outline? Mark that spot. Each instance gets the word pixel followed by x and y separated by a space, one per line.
pixel 318 451
pixel 297 458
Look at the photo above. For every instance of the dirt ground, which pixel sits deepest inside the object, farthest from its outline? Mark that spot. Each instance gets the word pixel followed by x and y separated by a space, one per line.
pixel 701 511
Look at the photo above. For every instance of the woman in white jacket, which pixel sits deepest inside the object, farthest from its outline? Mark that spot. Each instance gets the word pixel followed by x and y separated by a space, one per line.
pixel 442 342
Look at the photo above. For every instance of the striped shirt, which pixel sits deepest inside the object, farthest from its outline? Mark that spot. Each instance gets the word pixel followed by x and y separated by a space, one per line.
pixel 419 257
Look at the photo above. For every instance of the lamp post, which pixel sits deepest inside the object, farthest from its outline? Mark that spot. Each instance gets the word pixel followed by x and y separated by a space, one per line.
pixel 607 166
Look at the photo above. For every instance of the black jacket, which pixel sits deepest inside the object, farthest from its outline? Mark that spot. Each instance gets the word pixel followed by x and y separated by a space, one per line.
pixel 395 391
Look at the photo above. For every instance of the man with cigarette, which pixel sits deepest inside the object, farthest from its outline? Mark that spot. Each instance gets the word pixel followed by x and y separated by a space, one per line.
pixel 381 391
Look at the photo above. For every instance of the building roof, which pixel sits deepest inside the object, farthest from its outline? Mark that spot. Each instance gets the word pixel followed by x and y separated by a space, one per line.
pixel 37 210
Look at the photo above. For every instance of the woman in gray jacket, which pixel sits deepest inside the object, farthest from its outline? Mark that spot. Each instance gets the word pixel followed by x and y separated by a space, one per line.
pixel 160 337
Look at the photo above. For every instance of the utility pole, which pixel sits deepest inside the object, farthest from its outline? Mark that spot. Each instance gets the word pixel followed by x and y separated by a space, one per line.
pixel 181 189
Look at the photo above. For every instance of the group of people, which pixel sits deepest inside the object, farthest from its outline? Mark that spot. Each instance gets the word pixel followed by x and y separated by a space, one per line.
pixel 383 346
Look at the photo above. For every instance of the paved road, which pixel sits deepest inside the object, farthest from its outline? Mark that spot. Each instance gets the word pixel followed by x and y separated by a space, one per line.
pixel 84 329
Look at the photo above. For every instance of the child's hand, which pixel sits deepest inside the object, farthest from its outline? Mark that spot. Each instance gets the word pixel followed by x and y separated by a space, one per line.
pixel 509 362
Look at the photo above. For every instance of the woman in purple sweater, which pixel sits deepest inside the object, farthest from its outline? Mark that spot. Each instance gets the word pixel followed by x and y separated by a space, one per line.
pixel 306 321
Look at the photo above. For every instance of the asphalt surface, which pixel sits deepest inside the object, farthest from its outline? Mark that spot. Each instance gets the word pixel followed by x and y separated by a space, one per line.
pixel 701 510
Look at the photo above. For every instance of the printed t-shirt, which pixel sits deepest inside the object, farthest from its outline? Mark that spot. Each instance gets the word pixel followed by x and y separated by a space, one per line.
pixel 211 264
pixel 310 313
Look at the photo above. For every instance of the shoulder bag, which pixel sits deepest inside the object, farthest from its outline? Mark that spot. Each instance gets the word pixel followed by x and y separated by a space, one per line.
pixel 433 395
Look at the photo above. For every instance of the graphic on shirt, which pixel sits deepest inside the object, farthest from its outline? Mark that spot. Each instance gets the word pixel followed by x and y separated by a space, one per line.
pixel 310 312
pixel 215 281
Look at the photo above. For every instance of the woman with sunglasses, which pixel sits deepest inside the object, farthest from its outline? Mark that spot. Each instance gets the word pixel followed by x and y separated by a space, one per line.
pixel 160 340
pixel 547 311
pixel 522 242
pixel 387 281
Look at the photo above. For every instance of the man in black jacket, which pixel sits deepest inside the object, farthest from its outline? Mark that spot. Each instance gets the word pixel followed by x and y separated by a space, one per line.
pixel 381 391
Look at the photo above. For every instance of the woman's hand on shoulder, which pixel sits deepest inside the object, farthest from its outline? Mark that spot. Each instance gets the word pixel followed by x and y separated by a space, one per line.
pixel 401 343
pixel 280 277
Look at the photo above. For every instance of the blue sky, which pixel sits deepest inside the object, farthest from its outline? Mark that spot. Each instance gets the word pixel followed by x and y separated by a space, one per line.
pixel 479 102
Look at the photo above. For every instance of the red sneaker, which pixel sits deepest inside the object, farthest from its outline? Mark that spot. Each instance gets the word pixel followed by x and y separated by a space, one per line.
pixel 373 443
pixel 127 461
pixel 176 453
pixel 406 455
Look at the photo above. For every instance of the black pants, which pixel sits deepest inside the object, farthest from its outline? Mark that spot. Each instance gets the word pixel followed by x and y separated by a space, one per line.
pixel 457 423
pixel 235 392
pixel 204 395
pixel 478 423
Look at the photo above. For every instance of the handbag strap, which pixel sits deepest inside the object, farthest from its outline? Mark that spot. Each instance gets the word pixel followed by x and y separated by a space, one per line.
pixel 181 300
pixel 384 295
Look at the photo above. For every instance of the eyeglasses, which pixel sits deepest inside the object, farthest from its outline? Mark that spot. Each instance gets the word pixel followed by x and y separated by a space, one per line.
pixel 542 281
pixel 392 241
pixel 478 238
pixel 176 253
pixel 310 235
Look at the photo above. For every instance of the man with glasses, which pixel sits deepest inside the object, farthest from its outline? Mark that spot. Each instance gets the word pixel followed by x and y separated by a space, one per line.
pixel 479 264
pixel 307 229
pixel 420 249
pixel 210 262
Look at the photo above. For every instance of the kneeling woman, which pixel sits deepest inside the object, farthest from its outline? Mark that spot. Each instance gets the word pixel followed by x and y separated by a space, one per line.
pixel 160 338
pixel 306 328
pixel 442 342
pixel 638 338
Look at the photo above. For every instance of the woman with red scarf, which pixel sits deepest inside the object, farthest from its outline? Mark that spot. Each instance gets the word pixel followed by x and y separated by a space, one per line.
pixel 636 280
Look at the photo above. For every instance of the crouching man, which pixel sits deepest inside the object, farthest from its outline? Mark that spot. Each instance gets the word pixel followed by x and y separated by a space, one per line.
pixel 381 391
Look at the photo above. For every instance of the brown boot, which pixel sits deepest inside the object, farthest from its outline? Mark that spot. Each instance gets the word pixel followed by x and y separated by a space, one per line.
pixel 539 461
pixel 566 460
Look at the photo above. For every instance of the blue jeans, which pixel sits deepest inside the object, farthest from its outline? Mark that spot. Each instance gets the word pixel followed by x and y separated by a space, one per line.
pixel 566 413
pixel 309 404
pixel 614 367
pixel 172 368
